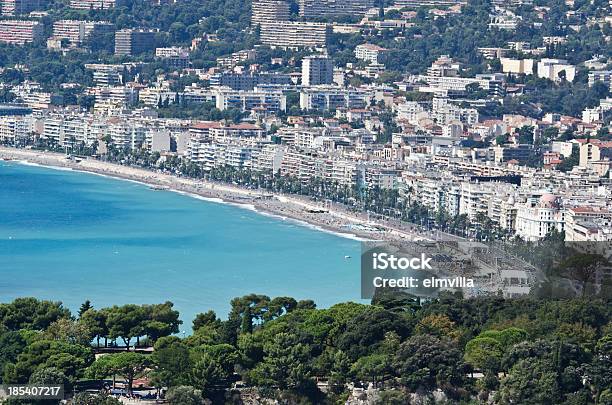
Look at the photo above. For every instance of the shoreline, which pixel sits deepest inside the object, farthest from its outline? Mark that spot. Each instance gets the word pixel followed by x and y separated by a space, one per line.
pixel 336 219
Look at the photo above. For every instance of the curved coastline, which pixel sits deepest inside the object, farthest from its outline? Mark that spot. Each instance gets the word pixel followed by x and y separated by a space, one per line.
pixel 336 220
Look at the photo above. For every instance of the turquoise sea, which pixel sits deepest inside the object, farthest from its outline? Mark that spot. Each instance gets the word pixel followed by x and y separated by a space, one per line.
pixel 72 236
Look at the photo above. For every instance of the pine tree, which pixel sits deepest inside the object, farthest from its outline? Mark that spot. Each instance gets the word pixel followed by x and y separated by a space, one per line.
pixel 86 306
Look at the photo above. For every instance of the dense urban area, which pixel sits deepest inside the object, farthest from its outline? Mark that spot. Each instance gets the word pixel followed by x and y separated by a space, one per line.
pixel 438 106
pixel 481 120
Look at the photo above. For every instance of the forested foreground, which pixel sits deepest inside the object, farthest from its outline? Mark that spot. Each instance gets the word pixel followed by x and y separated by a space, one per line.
pixel 521 351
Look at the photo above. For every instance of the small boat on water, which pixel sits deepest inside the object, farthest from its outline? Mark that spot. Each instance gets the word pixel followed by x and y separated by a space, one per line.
pixel 347 257
pixel 7 159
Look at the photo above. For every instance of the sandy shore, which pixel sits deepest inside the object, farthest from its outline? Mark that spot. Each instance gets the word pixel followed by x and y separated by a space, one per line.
pixel 332 218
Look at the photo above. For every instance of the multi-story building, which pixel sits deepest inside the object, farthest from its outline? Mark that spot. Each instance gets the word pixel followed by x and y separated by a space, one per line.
pixel 492 52
pixel 520 153
pixel 411 111
pixel 474 198
pixel 451 85
pixel 17 7
pixel 269 158
pixel 40 100
pixel 248 81
pixel 427 3
pixel 294 34
pixel 324 98
pixel 326 8
pixel 154 96
pixel 556 69
pixel 199 137
pixel 594 151
pixel 67 130
pixel 95 4
pixel 15 127
pixel 504 21
pixel 106 75
pixel 234 132
pixel 77 32
pixel 444 66
pixel 76 131
pixel 20 31
pixel 118 95
pixel 269 101
pixel 444 112
pixel 127 134
pixel 538 216
pixel 370 53
pixel 269 11
pixel 518 66
pixel 503 210
pixel 197 95
pixel 133 42
pixel 604 76
pixel 316 70
pixel 174 56
pixel 229 62
pixel 583 223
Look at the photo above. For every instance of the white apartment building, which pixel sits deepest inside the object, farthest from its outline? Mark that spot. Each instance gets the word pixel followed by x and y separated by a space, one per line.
pixel 588 224
pixel 127 134
pixel 269 101
pixel 493 83
pixel 158 140
pixel 174 56
pixel 232 133
pixel 474 198
pixel 305 138
pixel 20 32
pixel 171 52
pixel 94 4
pixel 15 127
pixel 554 69
pixel 326 8
pixel 77 32
pixel 294 34
pixel 198 95
pixel 106 75
pixel 444 112
pixel 269 158
pixel 604 76
pixel 502 207
pixel 16 7
pixel 370 53
pixel 504 21
pixel 324 98
pixel 269 11
pixel 317 70
pixel 37 100
pixel 412 111
pixel 119 95
pixel 564 148
pixel 153 96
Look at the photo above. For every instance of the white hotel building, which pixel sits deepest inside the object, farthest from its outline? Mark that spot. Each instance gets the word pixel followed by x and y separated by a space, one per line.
pixel 539 216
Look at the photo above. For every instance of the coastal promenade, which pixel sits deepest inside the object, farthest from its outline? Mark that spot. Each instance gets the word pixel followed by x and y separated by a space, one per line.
pixel 325 216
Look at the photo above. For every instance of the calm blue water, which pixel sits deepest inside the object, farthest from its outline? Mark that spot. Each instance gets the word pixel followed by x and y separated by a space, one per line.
pixel 73 236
